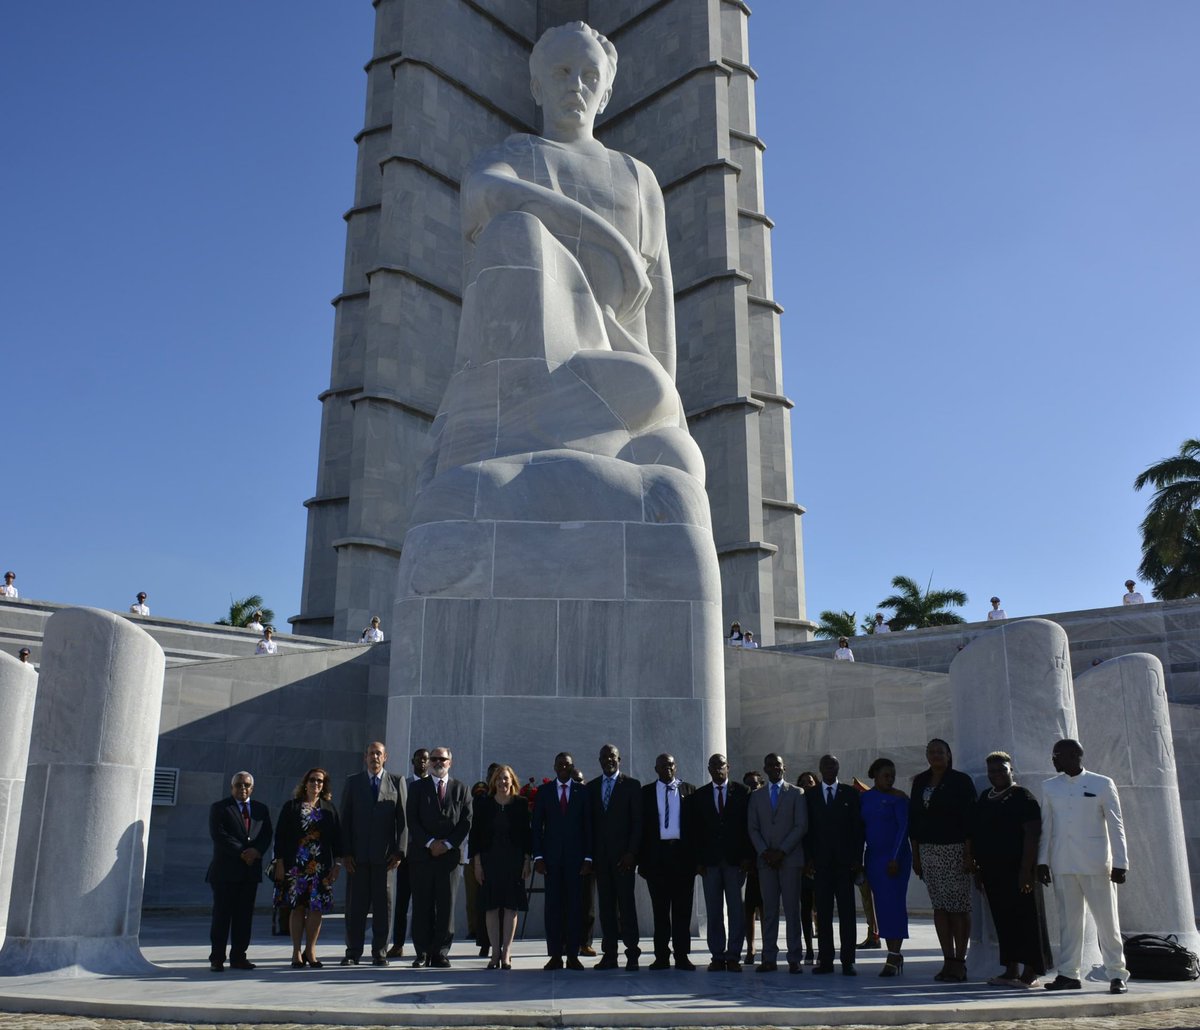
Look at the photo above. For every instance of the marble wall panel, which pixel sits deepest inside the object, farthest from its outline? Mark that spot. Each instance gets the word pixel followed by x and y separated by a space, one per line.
pixel 448 559
pixel 669 725
pixel 569 560
pixel 669 563
pixel 419 226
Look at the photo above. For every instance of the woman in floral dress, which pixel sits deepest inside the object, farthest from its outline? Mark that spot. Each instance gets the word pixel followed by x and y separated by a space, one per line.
pixel 307 847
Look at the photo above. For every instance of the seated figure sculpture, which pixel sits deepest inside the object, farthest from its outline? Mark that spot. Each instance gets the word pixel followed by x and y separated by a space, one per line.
pixel 562 412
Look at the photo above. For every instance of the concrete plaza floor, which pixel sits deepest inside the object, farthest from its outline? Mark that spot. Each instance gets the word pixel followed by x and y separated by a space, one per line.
pixel 184 991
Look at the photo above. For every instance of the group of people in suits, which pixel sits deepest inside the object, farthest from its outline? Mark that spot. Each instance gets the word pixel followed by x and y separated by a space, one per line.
pixel 826 836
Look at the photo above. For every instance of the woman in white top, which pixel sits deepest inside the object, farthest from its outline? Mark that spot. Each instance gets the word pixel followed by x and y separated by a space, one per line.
pixel 843 653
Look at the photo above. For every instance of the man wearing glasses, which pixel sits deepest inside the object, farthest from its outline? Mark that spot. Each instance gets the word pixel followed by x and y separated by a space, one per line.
pixel 439 820
pixel 241 832
pixel 373 842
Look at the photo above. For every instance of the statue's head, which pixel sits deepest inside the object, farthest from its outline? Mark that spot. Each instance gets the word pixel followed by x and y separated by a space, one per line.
pixel 572 68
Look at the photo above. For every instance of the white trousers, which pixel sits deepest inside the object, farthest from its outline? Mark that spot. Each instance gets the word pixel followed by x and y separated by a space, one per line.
pixel 1071 891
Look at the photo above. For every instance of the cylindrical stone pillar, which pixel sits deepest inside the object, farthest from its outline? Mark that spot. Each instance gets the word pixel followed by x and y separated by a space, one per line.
pixel 1125 730
pixel 1011 691
pixel 18 685
pixel 81 855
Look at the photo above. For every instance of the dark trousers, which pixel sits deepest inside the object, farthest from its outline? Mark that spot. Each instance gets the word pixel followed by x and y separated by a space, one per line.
pixel 400 906
pixel 807 901
pixel 835 884
pixel 723 886
pixel 232 912
pixel 434 888
pixel 564 909
pixel 618 909
pixel 671 893
pixel 368 889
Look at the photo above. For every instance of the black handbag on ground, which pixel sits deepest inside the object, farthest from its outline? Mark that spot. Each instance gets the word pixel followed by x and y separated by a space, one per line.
pixel 1151 957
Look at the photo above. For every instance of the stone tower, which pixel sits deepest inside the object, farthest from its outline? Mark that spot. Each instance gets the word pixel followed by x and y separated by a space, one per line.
pixel 449 77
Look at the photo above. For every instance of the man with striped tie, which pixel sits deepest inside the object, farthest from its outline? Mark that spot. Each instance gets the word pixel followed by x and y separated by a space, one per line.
pixel 616 833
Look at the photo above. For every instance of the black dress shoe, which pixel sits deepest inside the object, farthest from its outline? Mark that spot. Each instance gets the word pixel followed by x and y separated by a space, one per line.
pixel 607 962
pixel 1117 986
pixel 632 965
pixel 717 965
pixel 554 962
pixel 848 969
pixel 587 951
pixel 379 960
pixel 1064 983
pixel 733 966
pixel 241 963
pixel 419 962
pixel 685 964
pixel 348 961
pixel 439 962
pixel 396 951
pixel 659 963
pixel 217 967
pixel 823 968
pixel 767 967
pixel 573 963
pixel 795 967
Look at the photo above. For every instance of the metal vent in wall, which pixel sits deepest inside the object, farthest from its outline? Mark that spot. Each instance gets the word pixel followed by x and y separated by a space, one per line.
pixel 166 786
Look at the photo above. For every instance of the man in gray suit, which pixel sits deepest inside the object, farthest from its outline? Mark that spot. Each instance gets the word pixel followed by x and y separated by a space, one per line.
pixel 778 820
pixel 374 838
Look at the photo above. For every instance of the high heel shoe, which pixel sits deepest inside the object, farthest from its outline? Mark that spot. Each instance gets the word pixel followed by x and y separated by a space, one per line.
pixel 297 963
pixel 894 966
pixel 953 971
pixel 494 964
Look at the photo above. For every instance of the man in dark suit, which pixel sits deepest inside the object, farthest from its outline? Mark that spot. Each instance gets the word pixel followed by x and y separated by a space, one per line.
pixel 241 831
pixel 721 844
pixel 420 769
pixel 562 853
pixel 439 821
pixel 667 864
pixel 834 846
pixel 616 832
pixel 373 842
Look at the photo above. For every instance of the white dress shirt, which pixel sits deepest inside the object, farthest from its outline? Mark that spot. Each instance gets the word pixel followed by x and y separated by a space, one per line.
pixel 8 590
pixel 255 625
pixel 668 815
pixel 371 635
pixel 882 627
pixel 997 613
pixel 266 647
pixel 1133 597
pixel 139 609
pixel 843 654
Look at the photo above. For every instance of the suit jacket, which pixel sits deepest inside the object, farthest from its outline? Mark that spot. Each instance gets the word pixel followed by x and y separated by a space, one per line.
pixel 374 829
pixel 782 829
pixel 228 832
pixel 562 840
pixel 617 830
pixel 429 819
pixel 835 831
pixel 721 837
pixel 1082 831
pixel 653 857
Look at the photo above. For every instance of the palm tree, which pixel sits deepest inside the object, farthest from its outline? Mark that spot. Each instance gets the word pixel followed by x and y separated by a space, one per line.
pixel 241 612
pixel 836 624
pixel 916 609
pixel 1171 528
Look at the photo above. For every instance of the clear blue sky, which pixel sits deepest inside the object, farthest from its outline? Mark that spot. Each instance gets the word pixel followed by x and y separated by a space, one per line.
pixel 987 244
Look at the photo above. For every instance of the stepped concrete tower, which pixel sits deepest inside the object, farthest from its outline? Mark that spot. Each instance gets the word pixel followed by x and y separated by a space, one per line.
pixel 448 78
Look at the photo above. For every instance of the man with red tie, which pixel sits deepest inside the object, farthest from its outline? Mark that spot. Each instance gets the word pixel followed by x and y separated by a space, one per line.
pixel 241 831
pixel 562 853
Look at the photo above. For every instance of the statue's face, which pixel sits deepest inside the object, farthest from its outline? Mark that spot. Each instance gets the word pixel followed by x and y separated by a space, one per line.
pixel 571 84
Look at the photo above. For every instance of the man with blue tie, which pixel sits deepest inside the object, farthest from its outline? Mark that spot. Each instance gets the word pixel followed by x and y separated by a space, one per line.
pixel 373 841
pixel 562 853
pixel 616 833
pixel 667 864
pixel 777 821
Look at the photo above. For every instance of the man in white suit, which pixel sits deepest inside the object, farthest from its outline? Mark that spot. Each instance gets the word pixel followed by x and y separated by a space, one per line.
pixel 1083 846
pixel 777 821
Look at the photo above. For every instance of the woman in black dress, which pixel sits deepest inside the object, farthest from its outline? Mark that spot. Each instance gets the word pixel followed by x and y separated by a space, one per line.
pixel 940 811
pixel 1004 839
pixel 500 841
pixel 308 842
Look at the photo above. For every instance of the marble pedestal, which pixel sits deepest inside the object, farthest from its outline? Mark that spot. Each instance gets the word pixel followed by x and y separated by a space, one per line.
pixel 1125 730
pixel 78 874
pixel 18 686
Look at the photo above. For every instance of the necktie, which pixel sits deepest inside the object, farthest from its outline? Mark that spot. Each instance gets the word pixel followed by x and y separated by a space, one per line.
pixel 441 792
pixel 667 807
pixel 774 796
pixel 375 787
pixel 608 789
pixel 720 799
pixel 829 789
pixel 562 801
pixel 246 816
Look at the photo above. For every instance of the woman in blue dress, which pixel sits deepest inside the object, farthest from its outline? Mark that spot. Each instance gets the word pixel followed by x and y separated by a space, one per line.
pixel 889 858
